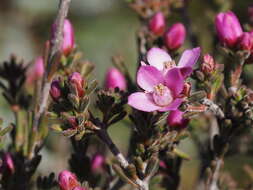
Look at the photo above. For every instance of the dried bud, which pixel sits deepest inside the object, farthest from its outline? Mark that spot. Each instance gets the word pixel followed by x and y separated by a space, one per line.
pixel 67 180
pixel 114 78
pixel 246 41
pixel 175 36
pixel 97 162
pixel 36 71
pixel 55 90
pixel 77 81
pixel 228 28
pixel 157 24
pixel 68 42
pixel 176 120
pixel 208 65
pixel 187 89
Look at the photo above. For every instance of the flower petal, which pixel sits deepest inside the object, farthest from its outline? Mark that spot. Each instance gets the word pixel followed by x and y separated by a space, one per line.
pixel 142 101
pixel 173 105
pixel 157 57
pixel 148 77
pixel 188 59
pixel 174 81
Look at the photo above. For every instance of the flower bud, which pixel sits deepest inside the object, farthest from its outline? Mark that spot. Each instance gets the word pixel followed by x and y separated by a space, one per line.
pixel 175 120
pixel 228 28
pixel 72 122
pixel 79 188
pixel 208 64
pixel 67 180
pixel 77 81
pixel 68 42
pixel 246 41
pixel 114 78
pixel 175 36
pixel 187 89
pixel 97 162
pixel 157 24
pixel 36 71
pixel 55 90
pixel 8 164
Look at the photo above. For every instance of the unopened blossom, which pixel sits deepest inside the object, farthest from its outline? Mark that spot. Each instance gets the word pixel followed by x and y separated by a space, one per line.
pixel 208 64
pixel 160 59
pixel 175 36
pixel 77 81
pixel 67 180
pixel 68 42
pixel 55 90
pixel 157 24
pixel 176 120
pixel 7 164
pixel 114 78
pixel 228 28
pixel 97 162
pixel 36 71
pixel 246 41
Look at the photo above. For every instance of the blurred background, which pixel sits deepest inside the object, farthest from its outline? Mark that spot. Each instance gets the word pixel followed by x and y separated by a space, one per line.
pixel 103 28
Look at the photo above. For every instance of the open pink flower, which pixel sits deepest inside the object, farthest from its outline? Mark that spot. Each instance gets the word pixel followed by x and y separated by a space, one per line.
pixel 161 91
pixel 160 59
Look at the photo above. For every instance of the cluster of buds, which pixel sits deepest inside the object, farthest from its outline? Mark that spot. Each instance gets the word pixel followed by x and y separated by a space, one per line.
pixel 173 37
pixel 68 181
pixel 70 102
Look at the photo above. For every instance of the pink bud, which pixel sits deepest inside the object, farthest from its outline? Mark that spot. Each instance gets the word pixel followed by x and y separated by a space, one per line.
pixel 246 41
pixel 228 28
pixel 77 81
pixel 97 162
pixel 72 121
pixel 79 188
pixel 162 165
pixel 157 24
pixel 114 78
pixel 68 42
pixel 208 64
pixel 36 71
pixel 175 119
pixel 67 180
pixel 8 163
pixel 175 36
pixel 55 90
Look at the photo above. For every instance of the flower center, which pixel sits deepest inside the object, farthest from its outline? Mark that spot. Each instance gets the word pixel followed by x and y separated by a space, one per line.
pixel 162 95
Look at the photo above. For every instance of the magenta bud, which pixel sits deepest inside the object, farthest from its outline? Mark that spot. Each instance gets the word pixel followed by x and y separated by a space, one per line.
pixel 228 28
pixel 175 120
pixel 175 36
pixel 208 64
pixel 246 41
pixel 114 78
pixel 8 163
pixel 68 42
pixel 67 180
pixel 157 24
pixel 77 81
pixel 36 71
pixel 55 90
pixel 97 162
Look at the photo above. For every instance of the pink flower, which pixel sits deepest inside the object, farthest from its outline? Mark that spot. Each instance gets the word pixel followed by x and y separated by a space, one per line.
pixel 114 78
pixel 77 81
pixel 157 24
pixel 162 61
pixel 175 120
pixel 246 41
pixel 55 90
pixel 97 162
pixel 36 71
pixel 68 37
pixel 67 180
pixel 175 36
pixel 228 28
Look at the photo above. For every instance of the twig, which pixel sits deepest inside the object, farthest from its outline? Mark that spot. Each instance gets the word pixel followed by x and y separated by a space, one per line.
pixel 215 177
pixel 54 52
pixel 214 108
